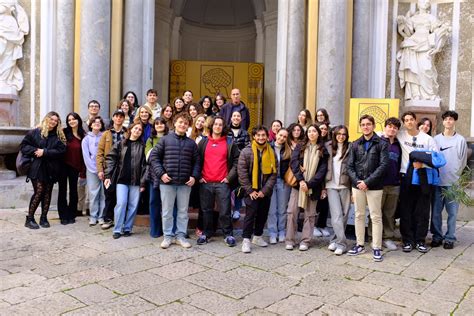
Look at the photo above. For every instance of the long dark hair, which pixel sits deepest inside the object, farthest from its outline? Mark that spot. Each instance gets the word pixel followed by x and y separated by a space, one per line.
pixel 345 145
pixel 290 133
pixel 329 131
pixel 319 141
pixel 326 116
pixel 135 105
pixel 207 111
pixel 163 121
pixel 68 130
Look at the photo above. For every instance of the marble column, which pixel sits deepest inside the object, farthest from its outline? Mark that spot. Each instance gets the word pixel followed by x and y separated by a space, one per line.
pixel 133 48
pixel 332 59
pixel 361 48
pixel 164 24
pixel 95 54
pixel 290 59
pixel 63 95
pixel 270 25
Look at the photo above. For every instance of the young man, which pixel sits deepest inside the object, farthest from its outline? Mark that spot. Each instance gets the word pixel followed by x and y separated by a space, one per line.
pixel 368 162
pixel 236 105
pixel 391 183
pixel 151 101
pixel 175 160
pixel 107 141
pixel 414 202
pixel 219 157
pixel 454 148
pixel 257 176
pixel 93 108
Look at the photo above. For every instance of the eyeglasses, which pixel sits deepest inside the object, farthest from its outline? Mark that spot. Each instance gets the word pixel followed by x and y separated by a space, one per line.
pixel 414 142
pixel 94 106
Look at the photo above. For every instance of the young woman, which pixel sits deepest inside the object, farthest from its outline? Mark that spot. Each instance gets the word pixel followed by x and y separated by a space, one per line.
pixel 322 116
pixel 206 104
pixel 90 144
pixel 322 208
pixel 276 222
pixel 338 187
pixel 275 127
pixel 46 146
pixel 160 129
pixel 197 130
pixel 72 167
pixel 241 138
pixel 304 119
pixel 167 114
pixel 178 104
pixel 425 126
pixel 218 104
pixel 145 118
pixel 309 165
pixel 194 109
pixel 127 109
pixel 126 166
pixel 295 135
pixel 187 97
pixel 132 98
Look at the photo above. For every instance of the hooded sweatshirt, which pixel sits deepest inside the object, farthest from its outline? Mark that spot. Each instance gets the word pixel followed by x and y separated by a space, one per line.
pixel 90 143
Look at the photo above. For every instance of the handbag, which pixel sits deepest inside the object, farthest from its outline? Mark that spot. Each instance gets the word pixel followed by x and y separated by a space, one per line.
pixel 23 164
pixel 290 178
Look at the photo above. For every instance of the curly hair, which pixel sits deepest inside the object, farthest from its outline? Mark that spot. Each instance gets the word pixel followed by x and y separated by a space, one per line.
pixel 45 127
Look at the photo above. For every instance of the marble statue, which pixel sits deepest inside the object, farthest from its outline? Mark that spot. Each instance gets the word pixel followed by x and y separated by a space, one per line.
pixel 13 28
pixel 423 36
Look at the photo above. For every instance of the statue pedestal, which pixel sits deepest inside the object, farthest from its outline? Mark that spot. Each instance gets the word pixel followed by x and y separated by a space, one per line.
pixel 9 115
pixel 424 108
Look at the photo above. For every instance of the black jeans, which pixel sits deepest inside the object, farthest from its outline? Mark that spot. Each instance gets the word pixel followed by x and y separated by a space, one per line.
pixel 216 194
pixel 110 201
pixel 256 214
pixel 70 176
pixel 322 209
pixel 414 213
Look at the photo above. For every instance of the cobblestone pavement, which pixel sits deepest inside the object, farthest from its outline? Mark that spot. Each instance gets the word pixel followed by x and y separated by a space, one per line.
pixel 77 269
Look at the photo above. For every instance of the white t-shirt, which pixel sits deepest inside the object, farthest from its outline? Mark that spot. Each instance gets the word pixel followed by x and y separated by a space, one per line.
pixel 409 143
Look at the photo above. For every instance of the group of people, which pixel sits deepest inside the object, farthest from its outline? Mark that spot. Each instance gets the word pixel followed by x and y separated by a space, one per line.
pixel 166 159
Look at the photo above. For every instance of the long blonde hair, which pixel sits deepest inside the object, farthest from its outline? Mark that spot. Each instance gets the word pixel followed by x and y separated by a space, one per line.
pixel 45 127
pixel 194 131
pixel 137 117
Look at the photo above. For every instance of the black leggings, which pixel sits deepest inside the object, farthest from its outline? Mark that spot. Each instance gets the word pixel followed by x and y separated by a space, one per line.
pixel 42 194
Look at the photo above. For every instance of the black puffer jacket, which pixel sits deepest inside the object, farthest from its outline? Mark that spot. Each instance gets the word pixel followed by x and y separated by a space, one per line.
pixel 368 166
pixel 241 140
pixel 48 167
pixel 115 158
pixel 176 156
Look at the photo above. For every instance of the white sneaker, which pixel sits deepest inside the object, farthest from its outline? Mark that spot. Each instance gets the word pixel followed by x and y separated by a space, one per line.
pixel 390 244
pixel 101 221
pixel 339 251
pixel 325 232
pixel 281 237
pixel 236 215
pixel 258 240
pixel 92 221
pixel 289 247
pixel 166 243
pixel 273 240
pixel 303 247
pixel 246 246
pixel 317 232
pixel 332 246
pixel 183 242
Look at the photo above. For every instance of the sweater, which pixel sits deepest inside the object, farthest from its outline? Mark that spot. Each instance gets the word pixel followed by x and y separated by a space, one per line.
pixel 90 144
pixel 455 149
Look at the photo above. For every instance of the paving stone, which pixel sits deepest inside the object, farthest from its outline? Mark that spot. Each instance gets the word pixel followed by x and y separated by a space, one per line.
pixel 343 270
pixel 367 262
pixel 266 297
pixel 234 286
pixel 142 251
pixel 53 304
pixel 263 278
pixel 215 262
pixel 21 294
pixel 258 259
pixel 133 282
pixel 89 276
pixel 168 292
pixel 458 276
pixel 466 307
pixel 366 305
pixel 171 255
pixel 175 308
pixel 295 271
pixel 133 266
pixel 455 294
pixel 295 305
pixel 178 270
pixel 18 279
pixel 257 312
pixel 84 252
pixel 22 264
pixel 328 309
pixel 92 294
pixel 397 281
pixel 421 302
pixel 55 270
pixel 3 273
pixel 215 303
pixel 420 313
pixel 3 305
pixel 421 271
pixel 15 253
pixel 122 305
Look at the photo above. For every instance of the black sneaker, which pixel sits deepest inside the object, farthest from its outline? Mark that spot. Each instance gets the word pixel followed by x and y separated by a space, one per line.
pixel 407 247
pixel 116 236
pixel 421 247
pixel 436 243
pixel 127 234
pixel 31 223
pixel 44 222
pixel 356 250
pixel 202 240
pixel 448 245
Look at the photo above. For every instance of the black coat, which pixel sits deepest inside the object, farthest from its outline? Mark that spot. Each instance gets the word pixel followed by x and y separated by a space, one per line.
pixel 368 166
pixel 48 167
pixel 284 163
pixel 242 139
pixel 115 158
pixel 176 156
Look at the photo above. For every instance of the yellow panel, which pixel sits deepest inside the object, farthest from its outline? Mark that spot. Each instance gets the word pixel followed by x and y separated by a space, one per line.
pixel 380 109
pixel 116 53
pixel 312 54
pixel 77 52
pixel 210 78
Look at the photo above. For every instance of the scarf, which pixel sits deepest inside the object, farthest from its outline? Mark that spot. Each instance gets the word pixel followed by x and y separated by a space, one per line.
pixel 268 162
pixel 310 165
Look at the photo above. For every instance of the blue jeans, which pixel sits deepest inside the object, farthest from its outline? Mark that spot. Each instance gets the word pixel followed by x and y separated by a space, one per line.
pixel 156 228
pixel 96 195
pixel 276 223
pixel 169 194
pixel 125 215
pixel 440 202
